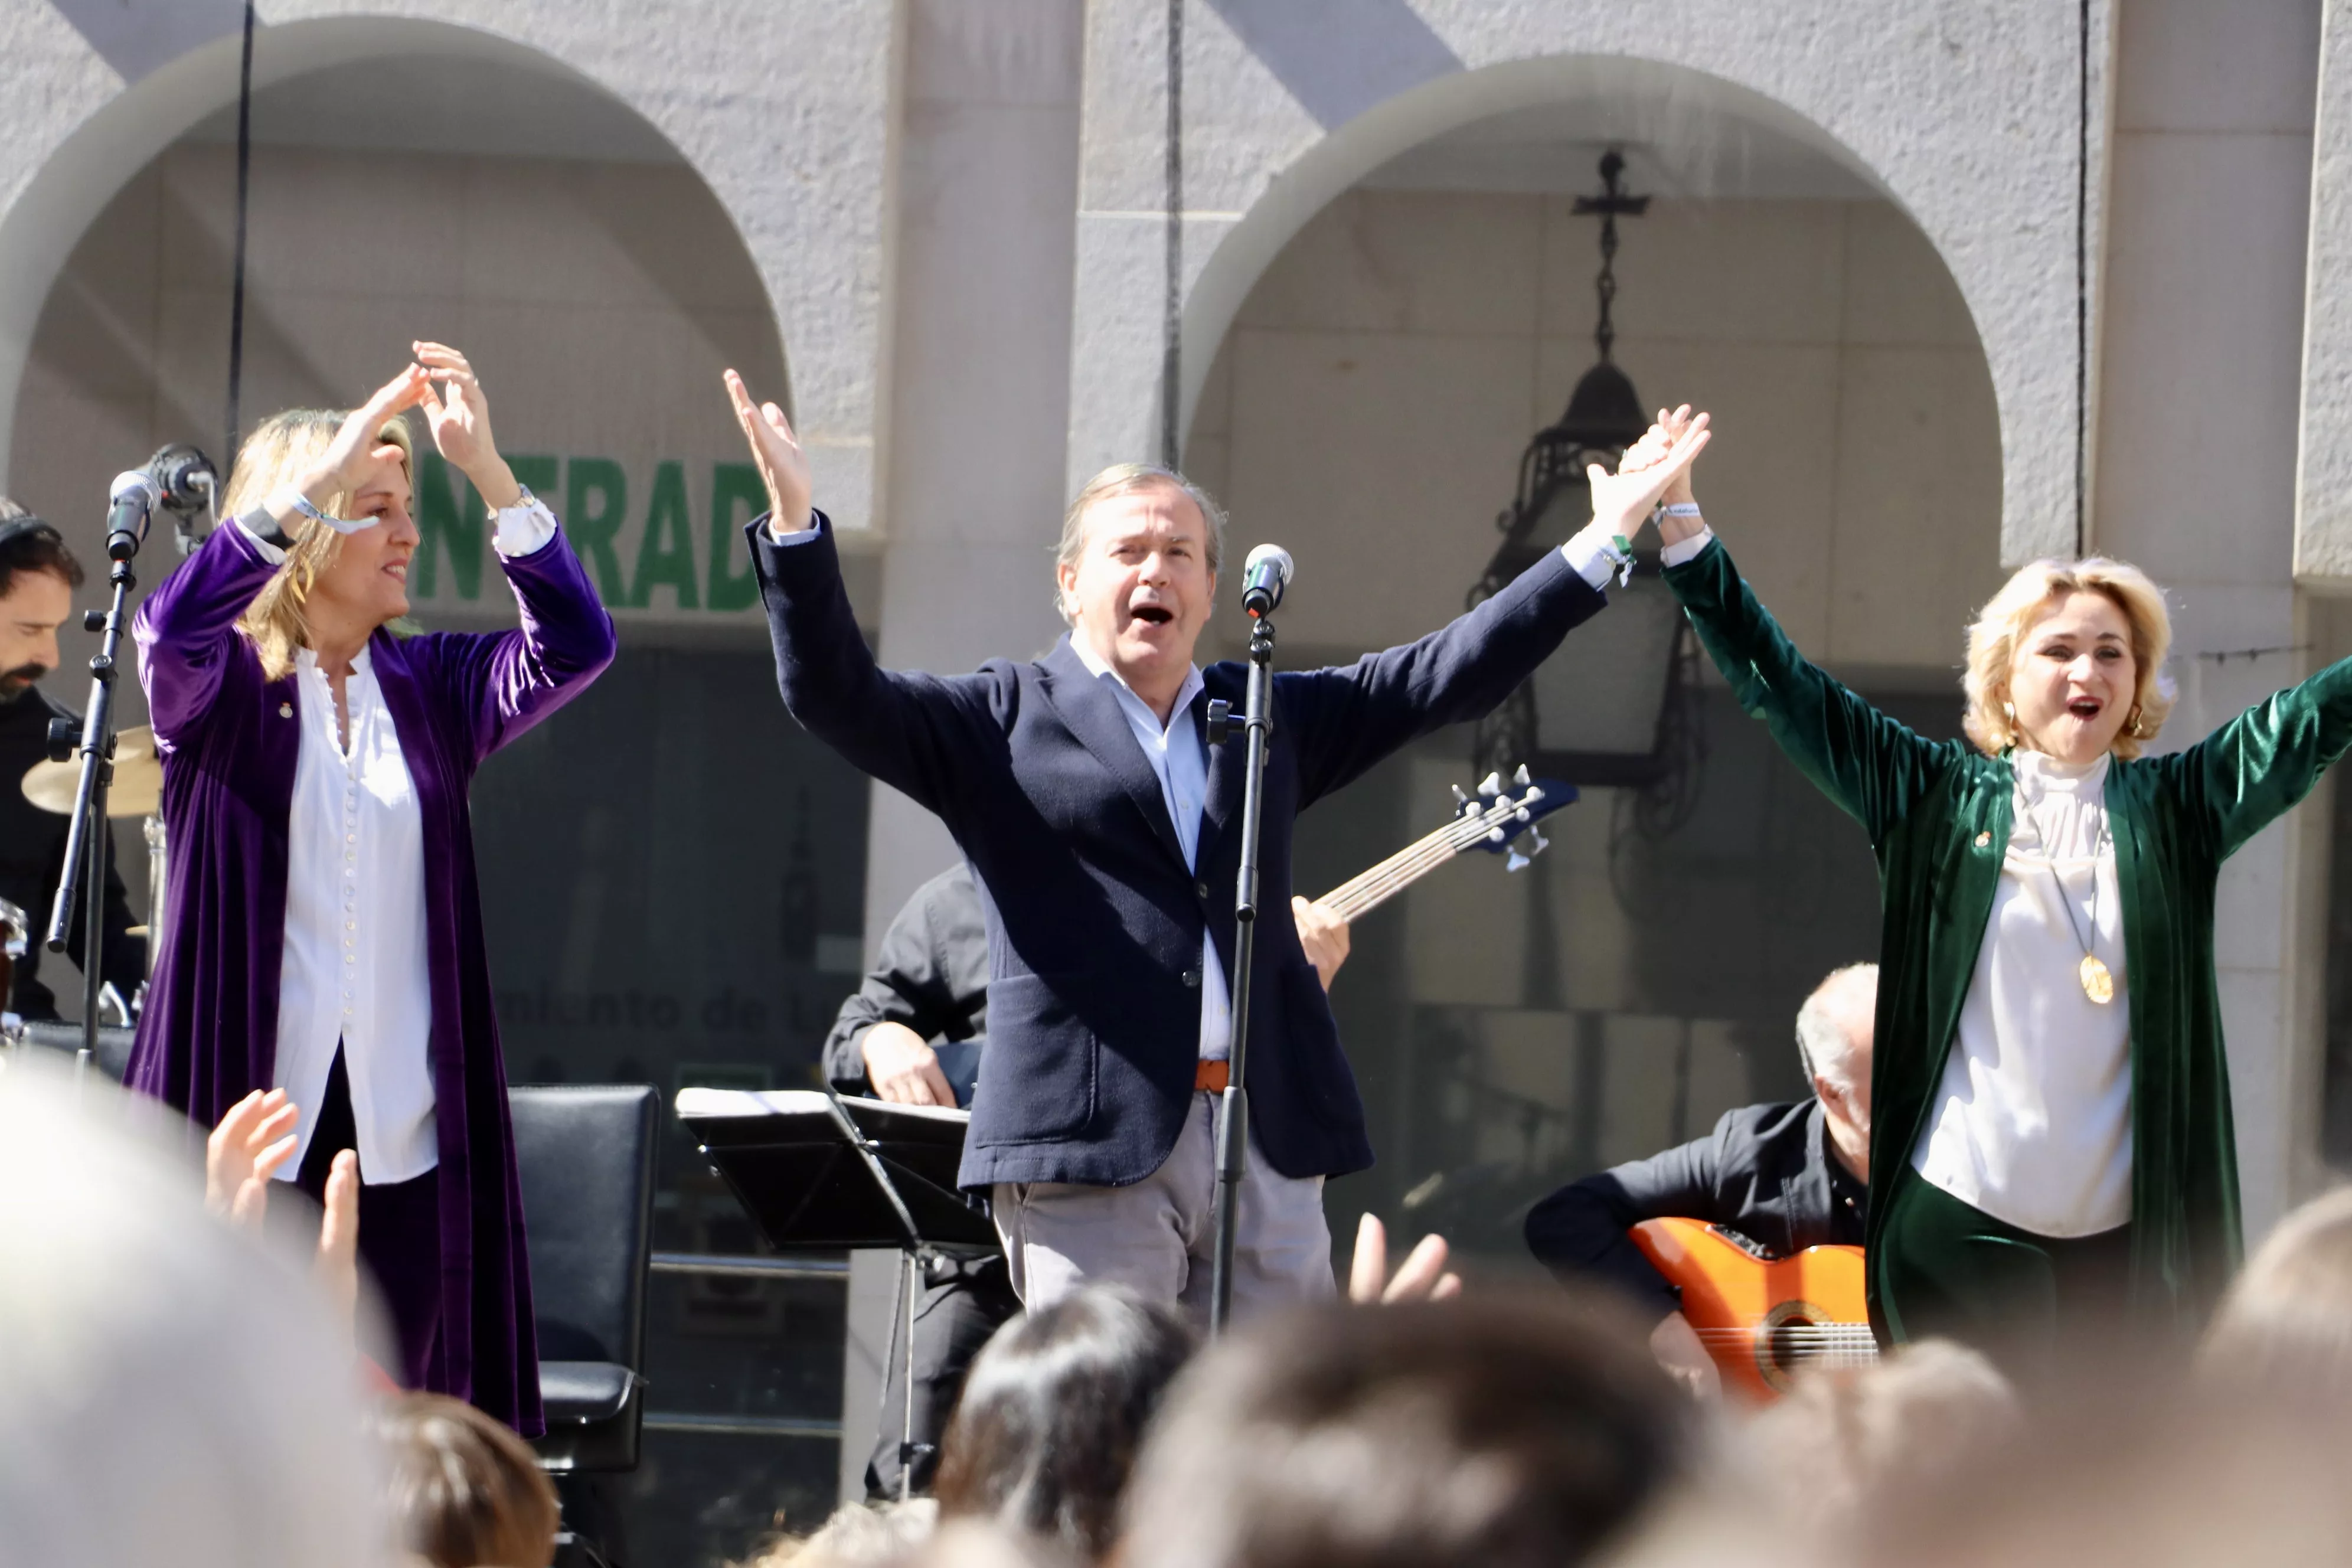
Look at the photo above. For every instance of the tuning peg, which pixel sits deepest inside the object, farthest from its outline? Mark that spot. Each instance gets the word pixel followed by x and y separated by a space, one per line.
pixel 1534 792
pixel 1492 785
pixel 1461 801
pixel 1520 778
pixel 1516 861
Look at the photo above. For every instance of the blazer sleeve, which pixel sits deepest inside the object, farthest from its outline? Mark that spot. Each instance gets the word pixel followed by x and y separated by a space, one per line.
pixel 2261 763
pixel 1349 718
pixel 1872 766
pixel 186 629
pixel 503 683
pixel 911 731
pixel 1580 1231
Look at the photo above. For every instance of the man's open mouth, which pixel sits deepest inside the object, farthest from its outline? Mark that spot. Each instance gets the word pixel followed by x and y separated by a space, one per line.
pixel 1153 614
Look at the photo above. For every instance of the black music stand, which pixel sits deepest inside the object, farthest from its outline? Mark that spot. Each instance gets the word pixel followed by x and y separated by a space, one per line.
pixel 820 1170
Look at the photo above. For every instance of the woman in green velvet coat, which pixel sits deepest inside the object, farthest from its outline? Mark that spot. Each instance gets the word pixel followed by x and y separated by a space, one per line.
pixel 2052 1147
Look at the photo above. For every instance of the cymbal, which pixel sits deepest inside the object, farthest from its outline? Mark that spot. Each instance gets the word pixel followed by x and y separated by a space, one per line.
pixel 137 790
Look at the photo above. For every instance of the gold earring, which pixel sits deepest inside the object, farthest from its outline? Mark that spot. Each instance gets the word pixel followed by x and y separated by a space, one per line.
pixel 2132 725
pixel 2009 712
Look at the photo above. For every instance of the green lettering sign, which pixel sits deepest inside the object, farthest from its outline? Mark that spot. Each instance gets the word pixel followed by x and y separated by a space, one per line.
pixel 449 518
pixel 594 528
pixel 665 550
pixel 733 485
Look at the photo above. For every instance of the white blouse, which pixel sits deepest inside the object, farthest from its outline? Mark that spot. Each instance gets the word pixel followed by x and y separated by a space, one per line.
pixel 2033 1119
pixel 356 974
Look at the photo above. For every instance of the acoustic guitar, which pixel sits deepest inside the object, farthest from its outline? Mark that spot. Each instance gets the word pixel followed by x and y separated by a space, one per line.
pixel 1763 1318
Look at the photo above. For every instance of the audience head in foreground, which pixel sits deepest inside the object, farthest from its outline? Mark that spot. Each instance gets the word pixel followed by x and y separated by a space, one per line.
pixel 170 1392
pixel 1054 1413
pixel 465 1491
pixel 1499 1432
pixel 2284 1329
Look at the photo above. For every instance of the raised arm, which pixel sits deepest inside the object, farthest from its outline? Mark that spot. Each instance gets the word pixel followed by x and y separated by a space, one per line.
pixel 913 732
pixel 1351 717
pixel 2262 762
pixel 1872 766
pixel 186 630
pixel 503 683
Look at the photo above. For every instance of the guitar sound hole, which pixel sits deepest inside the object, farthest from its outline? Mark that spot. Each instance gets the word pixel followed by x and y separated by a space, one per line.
pixel 1794 1342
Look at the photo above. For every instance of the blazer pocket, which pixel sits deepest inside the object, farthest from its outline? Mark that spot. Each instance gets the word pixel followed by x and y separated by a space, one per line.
pixel 1037 1078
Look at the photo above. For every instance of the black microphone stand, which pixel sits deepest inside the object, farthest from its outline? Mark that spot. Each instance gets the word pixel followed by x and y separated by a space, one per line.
pixel 86 834
pixel 1232 1106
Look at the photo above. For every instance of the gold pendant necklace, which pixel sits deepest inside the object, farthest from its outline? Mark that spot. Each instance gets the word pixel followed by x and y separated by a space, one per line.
pixel 2098 980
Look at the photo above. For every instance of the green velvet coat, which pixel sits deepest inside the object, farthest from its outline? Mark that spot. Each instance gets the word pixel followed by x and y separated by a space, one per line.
pixel 1938 817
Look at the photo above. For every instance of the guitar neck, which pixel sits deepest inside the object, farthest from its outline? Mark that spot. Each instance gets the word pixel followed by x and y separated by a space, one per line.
pixel 1368 889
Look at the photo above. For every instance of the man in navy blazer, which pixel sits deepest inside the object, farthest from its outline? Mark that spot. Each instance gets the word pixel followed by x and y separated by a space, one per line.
pixel 1103 830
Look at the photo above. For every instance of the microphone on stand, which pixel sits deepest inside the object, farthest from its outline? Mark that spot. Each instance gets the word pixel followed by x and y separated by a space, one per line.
pixel 132 500
pixel 189 485
pixel 1264 578
pixel 184 478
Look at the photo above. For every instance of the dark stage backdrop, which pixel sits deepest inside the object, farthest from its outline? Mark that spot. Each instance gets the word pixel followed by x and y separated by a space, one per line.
pixel 672 882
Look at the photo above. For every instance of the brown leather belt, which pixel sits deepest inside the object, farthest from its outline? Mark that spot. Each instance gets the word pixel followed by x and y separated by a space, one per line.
pixel 1210 1076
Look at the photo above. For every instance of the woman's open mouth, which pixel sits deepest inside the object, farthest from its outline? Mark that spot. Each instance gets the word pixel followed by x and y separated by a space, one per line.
pixel 2085 708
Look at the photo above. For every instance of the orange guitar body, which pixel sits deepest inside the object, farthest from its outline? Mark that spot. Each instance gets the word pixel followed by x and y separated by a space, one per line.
pixel 1762 1317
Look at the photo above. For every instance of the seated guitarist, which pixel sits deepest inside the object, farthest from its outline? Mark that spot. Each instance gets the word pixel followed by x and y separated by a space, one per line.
pixel 1789 1176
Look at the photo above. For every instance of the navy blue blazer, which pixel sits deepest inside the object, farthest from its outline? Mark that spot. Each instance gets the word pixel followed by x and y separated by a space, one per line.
pixel 1095 921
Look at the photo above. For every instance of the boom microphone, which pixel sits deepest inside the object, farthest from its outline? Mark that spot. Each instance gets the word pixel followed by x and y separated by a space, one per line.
pixel 132 499
pixel 1264 577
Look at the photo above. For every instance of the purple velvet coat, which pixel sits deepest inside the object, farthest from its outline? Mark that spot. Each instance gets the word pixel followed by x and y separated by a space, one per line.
pixel 208 1035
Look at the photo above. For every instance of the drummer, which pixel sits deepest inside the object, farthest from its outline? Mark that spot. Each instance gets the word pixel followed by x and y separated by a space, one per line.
pixel 38 578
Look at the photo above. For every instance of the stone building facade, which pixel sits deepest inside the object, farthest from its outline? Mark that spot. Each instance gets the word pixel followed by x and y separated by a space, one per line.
pixel 1964 284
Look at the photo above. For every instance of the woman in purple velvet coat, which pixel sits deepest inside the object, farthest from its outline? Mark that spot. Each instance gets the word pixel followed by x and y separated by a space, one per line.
pixel 324 930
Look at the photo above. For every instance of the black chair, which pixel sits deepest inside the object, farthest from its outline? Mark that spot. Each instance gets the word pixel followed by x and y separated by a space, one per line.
pixel 585 1153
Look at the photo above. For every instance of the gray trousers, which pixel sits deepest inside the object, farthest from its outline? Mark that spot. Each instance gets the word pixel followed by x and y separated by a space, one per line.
pixel 1158 1236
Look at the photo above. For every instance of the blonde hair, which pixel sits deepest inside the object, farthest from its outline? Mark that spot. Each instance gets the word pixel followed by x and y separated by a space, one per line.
pixel 2008 615
pixel 280 449
pixel 1118 480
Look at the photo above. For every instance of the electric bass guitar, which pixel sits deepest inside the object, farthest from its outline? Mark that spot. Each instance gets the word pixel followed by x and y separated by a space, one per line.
pixel 1763 1318
pixel 1491 820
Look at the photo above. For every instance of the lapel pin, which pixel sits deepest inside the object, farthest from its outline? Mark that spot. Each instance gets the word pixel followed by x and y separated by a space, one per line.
pixel 286 711
pixel 1983 839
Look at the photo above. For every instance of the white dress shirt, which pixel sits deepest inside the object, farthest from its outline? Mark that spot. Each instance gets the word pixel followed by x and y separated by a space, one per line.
pixel 1174 751
pixel 2033 1123
pixel 355 974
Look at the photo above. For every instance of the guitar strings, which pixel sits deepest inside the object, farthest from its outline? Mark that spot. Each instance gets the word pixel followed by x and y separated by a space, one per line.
pixel 1374 887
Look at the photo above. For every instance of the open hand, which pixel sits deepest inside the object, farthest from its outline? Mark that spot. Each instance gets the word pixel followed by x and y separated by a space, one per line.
pixel 359 453
pixel 1323 934
pixel 245 1150
pixel 1421 1278
pixel 459 420
pixel 1645 475
pixel 776 451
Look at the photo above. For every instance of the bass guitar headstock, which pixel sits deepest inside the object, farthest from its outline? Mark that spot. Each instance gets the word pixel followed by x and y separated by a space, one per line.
pixel 1510 809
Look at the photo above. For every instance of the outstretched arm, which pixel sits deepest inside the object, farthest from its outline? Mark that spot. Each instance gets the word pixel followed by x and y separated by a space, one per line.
pixel 1872 766
pixel 1349 717
pixel 2259 764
